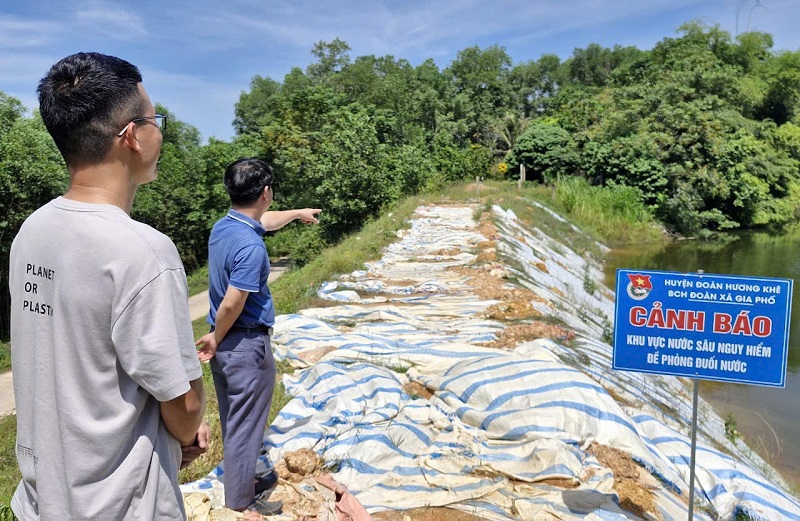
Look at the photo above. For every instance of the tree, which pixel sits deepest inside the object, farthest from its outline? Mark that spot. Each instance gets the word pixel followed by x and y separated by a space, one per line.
pixel 11 110
pixel 479 78
pixel 256 108
pixel 387 87
pixel 331 57
pixel 429 94
pixel 546 150
pixel 595 64
pixel 782 99
pixel 702 126
pixel 507 130
pixel 753 51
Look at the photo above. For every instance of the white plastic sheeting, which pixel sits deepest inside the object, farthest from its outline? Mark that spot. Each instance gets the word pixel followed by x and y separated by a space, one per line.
pixel 502 425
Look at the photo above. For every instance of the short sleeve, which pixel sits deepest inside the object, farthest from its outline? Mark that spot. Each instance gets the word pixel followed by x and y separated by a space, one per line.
pixel 246 269
pixel 154 340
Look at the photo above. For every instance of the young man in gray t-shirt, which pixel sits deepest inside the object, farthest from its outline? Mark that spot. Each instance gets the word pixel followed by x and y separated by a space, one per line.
pixel 108 388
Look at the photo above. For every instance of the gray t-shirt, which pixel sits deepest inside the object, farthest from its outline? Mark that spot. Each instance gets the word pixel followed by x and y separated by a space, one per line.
pixel 100 333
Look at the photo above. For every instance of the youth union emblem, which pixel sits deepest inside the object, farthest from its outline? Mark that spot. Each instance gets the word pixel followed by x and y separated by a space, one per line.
pixel 639 286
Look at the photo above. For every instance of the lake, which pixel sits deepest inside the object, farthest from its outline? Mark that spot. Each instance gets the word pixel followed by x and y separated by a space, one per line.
pixel 768 418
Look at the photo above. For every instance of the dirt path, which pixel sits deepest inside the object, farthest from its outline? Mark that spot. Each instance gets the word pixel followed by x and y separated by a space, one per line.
pixel 6 394
pixel 198 308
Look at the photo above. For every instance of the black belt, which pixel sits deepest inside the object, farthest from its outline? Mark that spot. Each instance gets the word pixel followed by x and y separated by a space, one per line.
pixel 258 329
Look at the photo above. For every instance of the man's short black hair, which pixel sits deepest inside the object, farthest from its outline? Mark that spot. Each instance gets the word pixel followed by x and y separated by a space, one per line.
pixel 85 100
pixel 245 180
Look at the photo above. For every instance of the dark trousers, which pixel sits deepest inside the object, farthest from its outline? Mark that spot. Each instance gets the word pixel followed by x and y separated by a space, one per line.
pixel 244 377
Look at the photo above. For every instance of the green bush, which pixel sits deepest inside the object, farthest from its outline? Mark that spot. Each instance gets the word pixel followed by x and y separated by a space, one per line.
pixel 298 242
pixel 453 163
pixel 547 152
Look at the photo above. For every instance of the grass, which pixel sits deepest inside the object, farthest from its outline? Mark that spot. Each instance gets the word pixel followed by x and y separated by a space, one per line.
pixel 730 428
pixel 509 197
pixel 614 213
pixel 198 280
pixel 206 463
pixel 610 215
pixel 9 476
pixel 6 514
pixel 9 471
pixel 5 356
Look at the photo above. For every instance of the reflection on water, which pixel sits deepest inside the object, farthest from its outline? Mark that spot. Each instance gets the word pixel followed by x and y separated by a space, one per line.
pixel 767 417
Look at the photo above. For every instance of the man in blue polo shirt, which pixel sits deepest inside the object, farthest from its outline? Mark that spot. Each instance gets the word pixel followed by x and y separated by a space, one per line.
pixel 242 315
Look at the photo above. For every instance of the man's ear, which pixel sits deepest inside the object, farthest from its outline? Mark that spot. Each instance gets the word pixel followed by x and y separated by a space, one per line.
pixel 129 138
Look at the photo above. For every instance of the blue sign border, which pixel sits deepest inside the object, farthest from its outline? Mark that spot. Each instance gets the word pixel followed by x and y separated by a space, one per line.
pixel 705 326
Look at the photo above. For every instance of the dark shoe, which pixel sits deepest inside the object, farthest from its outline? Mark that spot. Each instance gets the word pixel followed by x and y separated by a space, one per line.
pixel 266 482
pixel 266 508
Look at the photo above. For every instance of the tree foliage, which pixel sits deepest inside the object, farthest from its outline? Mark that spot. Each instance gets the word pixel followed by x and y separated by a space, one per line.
pixel 547 151
pixel 701 125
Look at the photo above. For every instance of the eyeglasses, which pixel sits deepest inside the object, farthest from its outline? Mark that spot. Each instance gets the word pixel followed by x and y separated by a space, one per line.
pixel 159 119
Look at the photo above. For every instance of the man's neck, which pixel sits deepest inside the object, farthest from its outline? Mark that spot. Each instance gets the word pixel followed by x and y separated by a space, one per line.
pixel 102 183
pixel 254 212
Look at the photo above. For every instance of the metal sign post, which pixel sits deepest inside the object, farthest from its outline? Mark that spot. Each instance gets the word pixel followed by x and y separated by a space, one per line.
pixel 695 393
pixel 695 387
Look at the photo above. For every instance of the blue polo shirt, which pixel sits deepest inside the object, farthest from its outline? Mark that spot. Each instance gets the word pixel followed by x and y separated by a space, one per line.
pixel 237 257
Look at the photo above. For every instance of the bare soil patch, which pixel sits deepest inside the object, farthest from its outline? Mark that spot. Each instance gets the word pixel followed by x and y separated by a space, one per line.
pixel 313 356
pixel 480 187
pixel 297 465
pixel 617 397
pixel 486 227
pixel 487 280
pixel 488 254
pixel 560 482
pixel 416 389
pixel 541 266
pixel 516 334
pixel 296 471
pixel 628 475
pixel 450 252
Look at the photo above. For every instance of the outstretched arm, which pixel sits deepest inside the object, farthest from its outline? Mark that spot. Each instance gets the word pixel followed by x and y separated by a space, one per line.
pixel 276 220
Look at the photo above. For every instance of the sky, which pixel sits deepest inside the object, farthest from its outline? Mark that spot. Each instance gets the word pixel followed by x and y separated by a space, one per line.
pixel 198 56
